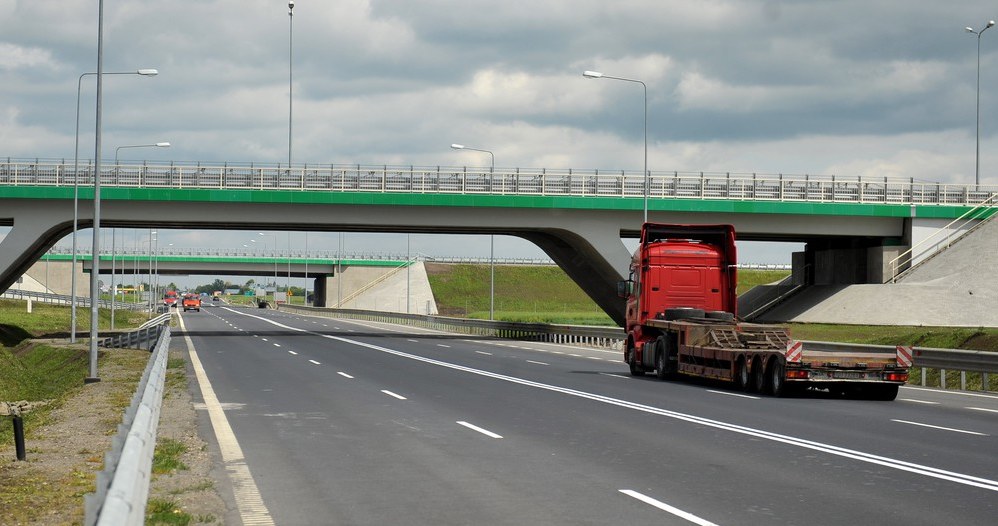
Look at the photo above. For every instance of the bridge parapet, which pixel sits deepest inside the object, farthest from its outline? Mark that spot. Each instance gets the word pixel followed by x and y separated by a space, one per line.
pixel 501 181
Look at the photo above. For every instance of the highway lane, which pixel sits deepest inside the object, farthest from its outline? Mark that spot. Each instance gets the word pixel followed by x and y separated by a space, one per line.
pixel 330 439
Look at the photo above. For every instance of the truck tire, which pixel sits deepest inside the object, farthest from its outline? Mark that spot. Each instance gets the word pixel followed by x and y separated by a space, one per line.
pixel 683 313
pixel 884 393
pixel 742 380
pixel 720 315
pixel 632 364
pixel 758 376
pixel 776 378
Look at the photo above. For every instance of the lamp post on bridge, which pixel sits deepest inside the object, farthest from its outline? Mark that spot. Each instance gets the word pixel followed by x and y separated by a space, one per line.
pixel 76 184
pixel 977 167
pixel 492 238
pixel 598 75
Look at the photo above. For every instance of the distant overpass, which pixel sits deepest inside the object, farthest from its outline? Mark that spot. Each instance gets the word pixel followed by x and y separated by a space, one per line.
pixel 852 226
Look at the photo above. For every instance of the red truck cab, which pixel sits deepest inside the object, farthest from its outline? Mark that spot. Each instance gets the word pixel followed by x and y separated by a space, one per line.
pixel 170 298
pixel 192 302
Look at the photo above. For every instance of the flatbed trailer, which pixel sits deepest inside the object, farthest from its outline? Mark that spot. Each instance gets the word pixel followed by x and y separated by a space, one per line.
pixel 763 358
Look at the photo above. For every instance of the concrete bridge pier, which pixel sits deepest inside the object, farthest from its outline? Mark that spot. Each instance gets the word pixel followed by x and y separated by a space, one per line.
pixel 35 230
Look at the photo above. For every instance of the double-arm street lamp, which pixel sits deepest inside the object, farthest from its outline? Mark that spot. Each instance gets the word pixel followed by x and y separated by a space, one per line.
pixel 598 75
pixel 977 170
pixel 492 238
pixel 113 231
pixel 76 182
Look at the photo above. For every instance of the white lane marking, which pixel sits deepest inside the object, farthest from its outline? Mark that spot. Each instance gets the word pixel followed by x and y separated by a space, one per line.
pixel 483 352
pixel 614 375
pixel 917 401
pixel 485 432
pixel 250 504
pixel 264 339
pixel 938 427
pixel 442 345
pixel 958 393
pixel 389 393
pixel 292 352
pixel 739 395
pixel 665 507
pixel 411 340
pixel 344 375
pixel 594 358
pixel 900 465
pixel 575 355
pixel 277 345
pixel 983 409
pixel 538 363
pixel 315 362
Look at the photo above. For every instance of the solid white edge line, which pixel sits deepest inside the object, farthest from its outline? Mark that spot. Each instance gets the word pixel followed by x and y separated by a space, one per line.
pixel 344 375
pixel 473 427
pixel 739 395
pixel 389 393
pixel 983 409
pixel 946 391
pixel 938 427
pixel 665 507
pixel 861 456
pixel 249 503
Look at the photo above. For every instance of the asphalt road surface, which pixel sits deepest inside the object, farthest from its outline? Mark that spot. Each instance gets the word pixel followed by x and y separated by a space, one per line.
pixel 323 421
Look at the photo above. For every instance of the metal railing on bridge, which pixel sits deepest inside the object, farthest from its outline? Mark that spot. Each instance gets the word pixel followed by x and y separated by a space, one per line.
pixel 501 181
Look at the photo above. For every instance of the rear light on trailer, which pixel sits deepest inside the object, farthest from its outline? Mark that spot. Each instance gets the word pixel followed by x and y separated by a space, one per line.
pixel 896 377
pixel 797 374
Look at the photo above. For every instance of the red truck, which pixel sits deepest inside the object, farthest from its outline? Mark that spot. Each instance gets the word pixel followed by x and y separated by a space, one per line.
pixel 681 320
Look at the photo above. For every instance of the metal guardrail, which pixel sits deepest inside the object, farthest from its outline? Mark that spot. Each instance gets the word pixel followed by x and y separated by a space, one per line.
pixel 122 488
pixel 501 181
pixel 982 362
pixel 61 299
pixel 145 337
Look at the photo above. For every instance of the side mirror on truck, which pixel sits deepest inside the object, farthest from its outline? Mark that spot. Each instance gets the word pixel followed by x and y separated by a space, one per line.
pixel 625 288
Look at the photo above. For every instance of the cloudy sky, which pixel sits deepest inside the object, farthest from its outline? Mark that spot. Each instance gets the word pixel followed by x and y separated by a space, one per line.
pixel 851 87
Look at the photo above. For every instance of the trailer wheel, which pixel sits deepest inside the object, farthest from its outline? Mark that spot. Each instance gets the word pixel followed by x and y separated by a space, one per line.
pixel 777 375
pixel 884 393
pixel 742 379
pixel 682 313
pixel 758 376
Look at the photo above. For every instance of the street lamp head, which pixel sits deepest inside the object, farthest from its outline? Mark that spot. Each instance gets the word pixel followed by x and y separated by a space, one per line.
pixel 457 146
pixel 592 74
pixel 291 7
pixel 162 145
pixel 991 23
pixel 148 72
pixel 970 29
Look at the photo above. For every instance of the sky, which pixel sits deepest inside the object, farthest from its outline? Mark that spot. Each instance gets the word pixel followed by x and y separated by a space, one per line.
pixel 867 87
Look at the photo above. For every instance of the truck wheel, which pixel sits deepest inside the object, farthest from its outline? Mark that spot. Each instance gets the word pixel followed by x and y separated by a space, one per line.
pixel 742 380
pixel 683 313
pixel 777 378
pixel 662 364
pixel 636 370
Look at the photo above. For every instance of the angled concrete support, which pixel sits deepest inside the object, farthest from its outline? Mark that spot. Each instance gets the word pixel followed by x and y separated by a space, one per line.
pixel 35 230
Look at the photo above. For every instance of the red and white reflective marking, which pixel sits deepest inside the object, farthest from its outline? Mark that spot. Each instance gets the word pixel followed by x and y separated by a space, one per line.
pixel 904 356
pixel 795 351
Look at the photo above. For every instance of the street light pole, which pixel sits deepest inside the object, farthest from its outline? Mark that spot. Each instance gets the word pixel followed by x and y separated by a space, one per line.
pixel 598 75
pixel 95 248
pixel 113 230
pixel 76 184
pixel 977 167
pixel 291 33
pixel 492 238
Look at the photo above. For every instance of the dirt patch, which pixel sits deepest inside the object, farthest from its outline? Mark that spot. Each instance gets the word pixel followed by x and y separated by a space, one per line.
pixel 67 450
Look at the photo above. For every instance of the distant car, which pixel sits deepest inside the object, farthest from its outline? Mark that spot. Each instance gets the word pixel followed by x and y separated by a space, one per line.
pixel 215 298
pixel 192 302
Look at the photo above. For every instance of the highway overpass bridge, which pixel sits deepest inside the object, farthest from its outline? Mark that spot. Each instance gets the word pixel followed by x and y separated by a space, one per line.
pixel 852 227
